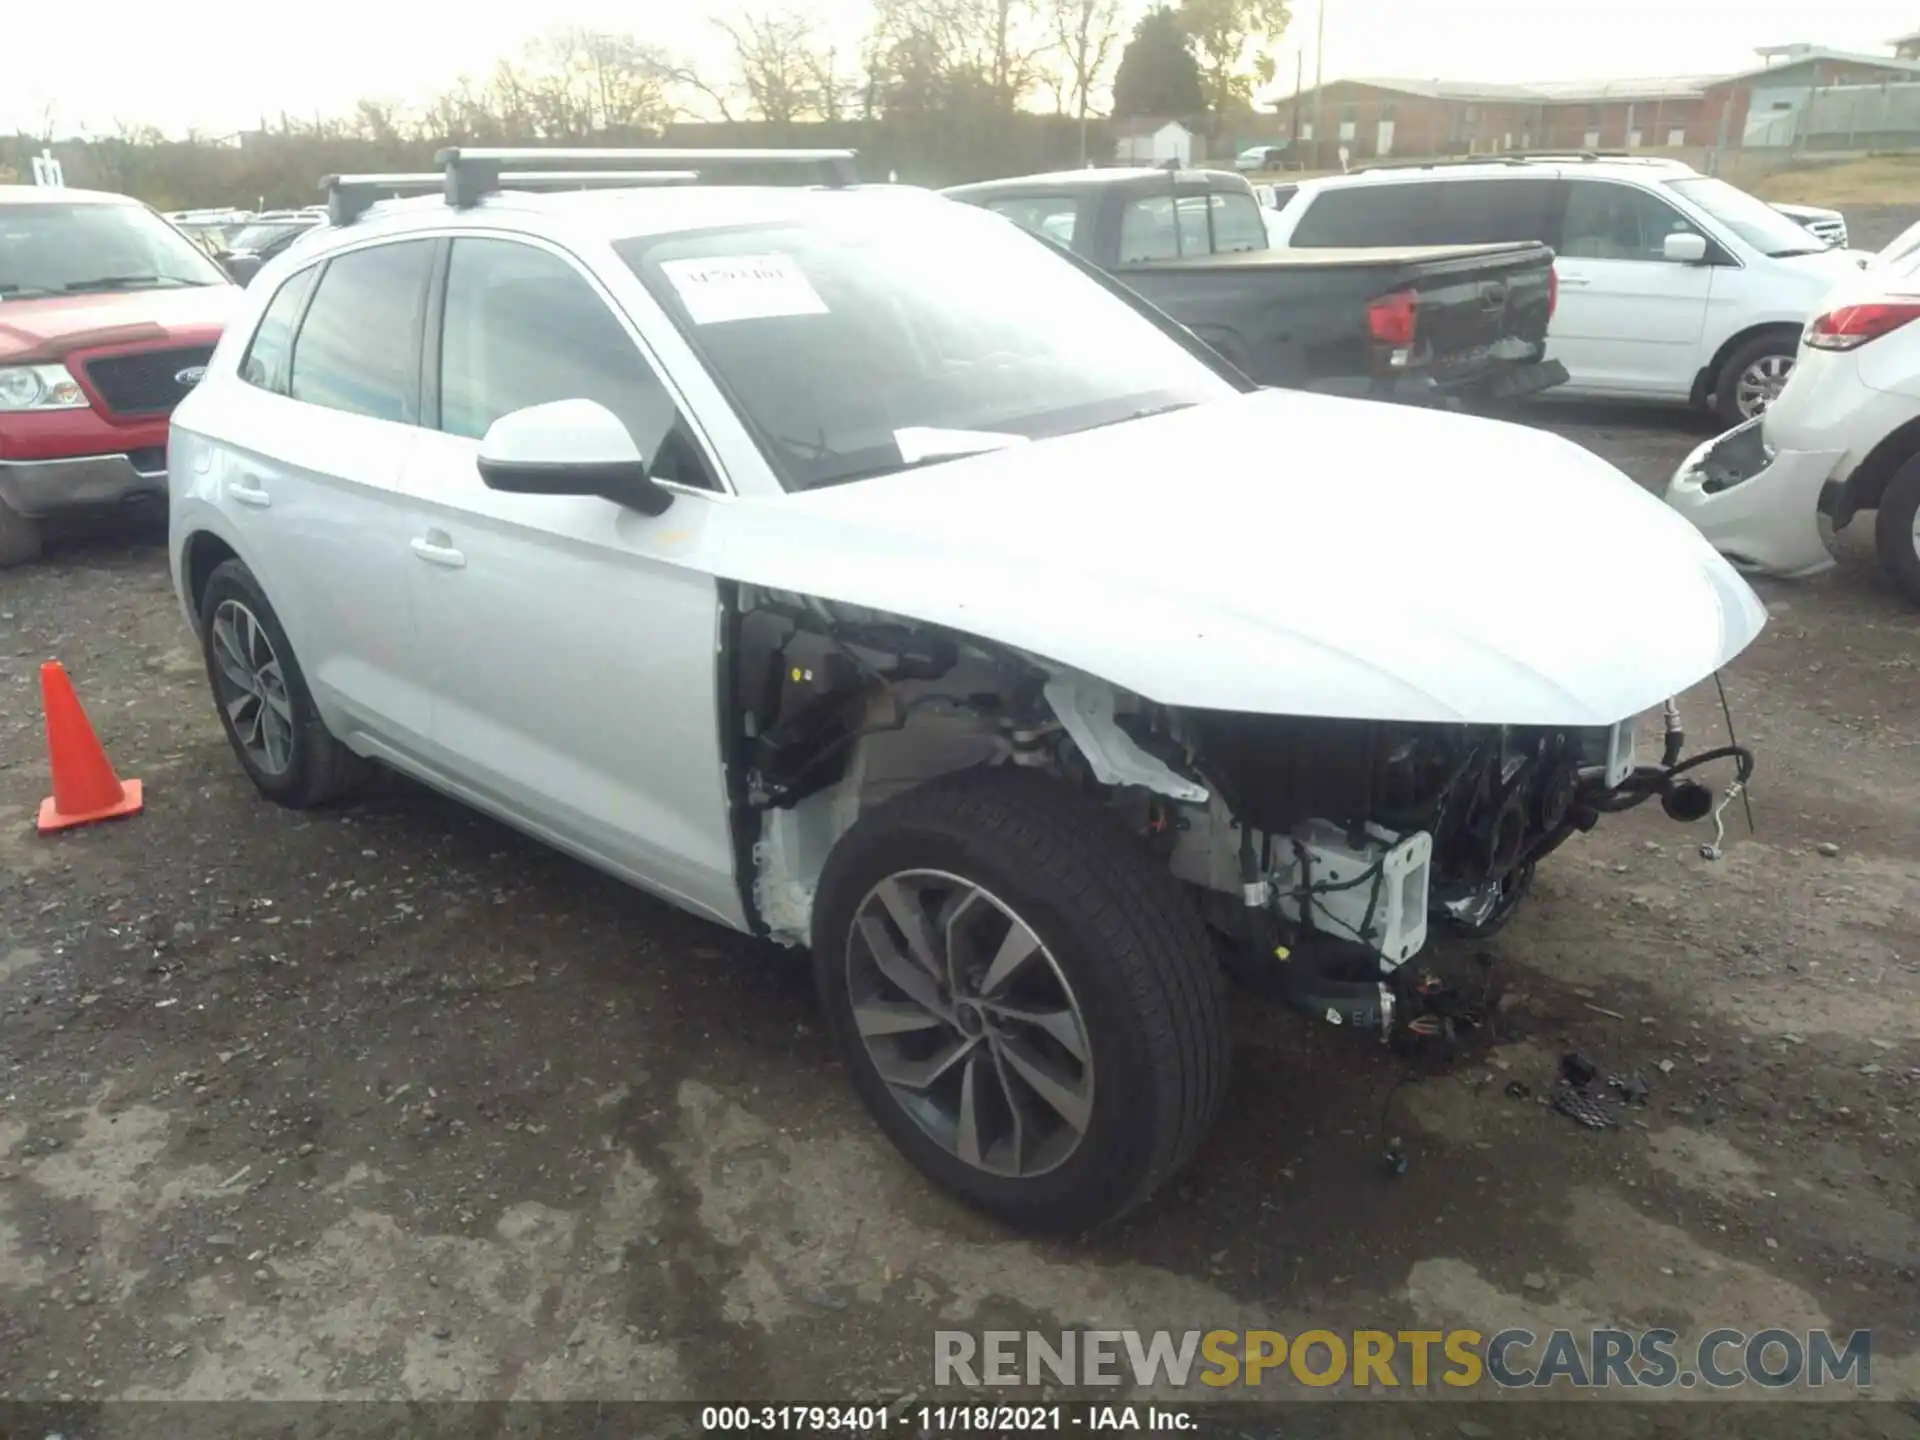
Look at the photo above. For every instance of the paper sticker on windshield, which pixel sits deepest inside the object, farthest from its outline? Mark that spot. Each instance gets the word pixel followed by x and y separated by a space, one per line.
pixel 743 287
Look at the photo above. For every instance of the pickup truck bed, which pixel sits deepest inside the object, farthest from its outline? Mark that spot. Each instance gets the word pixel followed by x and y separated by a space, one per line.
pixel 1446 324
pixel 1338 321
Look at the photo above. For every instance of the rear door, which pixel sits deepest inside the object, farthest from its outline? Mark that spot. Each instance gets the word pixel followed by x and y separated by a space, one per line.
pixel 1629 320
pixel 317 438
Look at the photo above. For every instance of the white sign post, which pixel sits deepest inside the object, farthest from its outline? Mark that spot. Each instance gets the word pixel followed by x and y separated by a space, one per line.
pixel 47 171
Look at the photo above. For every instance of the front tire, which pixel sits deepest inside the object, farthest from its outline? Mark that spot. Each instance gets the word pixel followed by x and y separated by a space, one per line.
pixel 1753 376
pixel 1028 1002
pixel 1896 529
pixel 265 706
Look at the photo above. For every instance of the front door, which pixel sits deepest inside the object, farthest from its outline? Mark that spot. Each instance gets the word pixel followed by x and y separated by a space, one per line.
pixel 572 656
pixel 1629 321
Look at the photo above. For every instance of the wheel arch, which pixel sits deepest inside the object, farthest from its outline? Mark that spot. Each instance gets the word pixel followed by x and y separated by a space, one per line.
pixel 1708 380
pixel 1870 477
pixel 202 554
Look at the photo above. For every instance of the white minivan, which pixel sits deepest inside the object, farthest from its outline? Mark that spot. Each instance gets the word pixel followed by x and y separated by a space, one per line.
pixel 1674 286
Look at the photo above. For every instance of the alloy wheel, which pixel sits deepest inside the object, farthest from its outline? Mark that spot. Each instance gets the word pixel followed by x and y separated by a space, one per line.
pixel 1760 384
pixel 970 1022
pixel 252 687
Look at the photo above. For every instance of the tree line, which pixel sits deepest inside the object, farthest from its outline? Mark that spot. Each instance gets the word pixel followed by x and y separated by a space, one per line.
pixel 937 91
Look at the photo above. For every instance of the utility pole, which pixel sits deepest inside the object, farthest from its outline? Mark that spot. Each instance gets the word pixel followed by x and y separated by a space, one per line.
pixel 1320 84
pixel 1299 83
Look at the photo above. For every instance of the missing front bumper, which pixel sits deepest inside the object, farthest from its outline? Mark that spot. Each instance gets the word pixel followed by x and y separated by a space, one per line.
pixel 1759 507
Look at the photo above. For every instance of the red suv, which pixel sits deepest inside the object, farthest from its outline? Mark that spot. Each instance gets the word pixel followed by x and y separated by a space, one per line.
pixel 107 318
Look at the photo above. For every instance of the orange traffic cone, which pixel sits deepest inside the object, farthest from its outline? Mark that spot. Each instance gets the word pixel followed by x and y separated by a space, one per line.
pixel 84 785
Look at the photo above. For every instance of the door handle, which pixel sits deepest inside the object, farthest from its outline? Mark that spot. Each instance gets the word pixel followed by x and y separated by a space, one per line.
pixel 443 555
pixel 1574 280
pixel 249 495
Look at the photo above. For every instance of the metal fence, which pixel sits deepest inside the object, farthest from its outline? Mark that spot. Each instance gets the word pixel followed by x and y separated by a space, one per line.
pixel 1842 117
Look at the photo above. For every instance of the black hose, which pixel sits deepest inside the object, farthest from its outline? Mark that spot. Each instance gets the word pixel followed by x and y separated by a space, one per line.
pixel 1648 781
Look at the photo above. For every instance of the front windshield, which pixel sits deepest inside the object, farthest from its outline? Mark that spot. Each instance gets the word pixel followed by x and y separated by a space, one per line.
pixel 52 248
pixel 1749 217
pixel 873 342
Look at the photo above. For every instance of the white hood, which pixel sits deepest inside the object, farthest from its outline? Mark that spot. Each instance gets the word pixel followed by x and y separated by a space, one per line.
pixel 1291 554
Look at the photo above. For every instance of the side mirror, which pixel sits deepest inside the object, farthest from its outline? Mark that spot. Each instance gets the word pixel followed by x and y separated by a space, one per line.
pixel 242 266
pixel 1685 249
pixel 569 447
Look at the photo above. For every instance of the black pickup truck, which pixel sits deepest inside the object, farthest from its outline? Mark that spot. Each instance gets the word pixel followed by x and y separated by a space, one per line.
pixel 1460 325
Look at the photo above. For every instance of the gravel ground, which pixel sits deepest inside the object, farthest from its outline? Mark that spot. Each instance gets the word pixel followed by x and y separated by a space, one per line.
pixel 392 1102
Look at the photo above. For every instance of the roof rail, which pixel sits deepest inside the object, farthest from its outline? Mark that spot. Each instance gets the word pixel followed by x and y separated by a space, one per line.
pixel 1521 157
pixel 469 174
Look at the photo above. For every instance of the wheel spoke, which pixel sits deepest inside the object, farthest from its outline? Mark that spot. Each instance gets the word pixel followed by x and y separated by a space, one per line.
pixel 1064 1097
pixel 1019 946
pixel 1062 1024
pixel 226 653
pixel 894 1017
pixel 277 736
pixel 921 1074
pixel 912 920
pixel 274 692
pixel 967 1139
pixel 1016 1109
pixel 254 641
pixel 907 977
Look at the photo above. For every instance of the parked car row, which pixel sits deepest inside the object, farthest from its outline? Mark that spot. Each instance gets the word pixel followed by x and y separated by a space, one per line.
pixel 922 595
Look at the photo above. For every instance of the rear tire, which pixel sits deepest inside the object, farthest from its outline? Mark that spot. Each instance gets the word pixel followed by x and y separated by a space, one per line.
pixel 1893 529
pixel 1762 360
pixel 19 537
pixel 1123 969
pixel 263 700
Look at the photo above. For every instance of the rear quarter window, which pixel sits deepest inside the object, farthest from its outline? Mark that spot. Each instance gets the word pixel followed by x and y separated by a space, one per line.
pixel 269 359
pixel 1356 216
pixel 1476 210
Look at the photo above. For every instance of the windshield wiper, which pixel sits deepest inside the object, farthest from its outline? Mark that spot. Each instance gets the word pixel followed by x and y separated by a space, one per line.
pixel 127 282
pixel 9 288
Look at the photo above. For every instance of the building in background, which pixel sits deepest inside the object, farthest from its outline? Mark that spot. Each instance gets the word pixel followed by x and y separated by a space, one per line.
pixel 1380 117
pixel 1152 142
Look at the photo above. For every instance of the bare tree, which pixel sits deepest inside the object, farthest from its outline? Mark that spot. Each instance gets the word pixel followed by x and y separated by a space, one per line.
pixel 1087 34
pixel 837 85
pixel 773 54
pixel 929 55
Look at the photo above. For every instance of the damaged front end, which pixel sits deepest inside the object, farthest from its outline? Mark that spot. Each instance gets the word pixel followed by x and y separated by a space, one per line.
pixel 1325 852
pixel 1351 842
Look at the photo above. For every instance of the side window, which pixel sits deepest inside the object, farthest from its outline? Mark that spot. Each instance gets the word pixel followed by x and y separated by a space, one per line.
pixel 1494 212
pixel 269 358
pixel 1054 216
pixel 523 327
pixel 1237 224
pixel 1192 211
pixel 358 349
pixel 1356 216
pixel 1608 221
pixel 1146 230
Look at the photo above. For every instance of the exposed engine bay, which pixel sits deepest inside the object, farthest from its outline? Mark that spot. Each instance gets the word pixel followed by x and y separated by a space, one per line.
pixel 1325 852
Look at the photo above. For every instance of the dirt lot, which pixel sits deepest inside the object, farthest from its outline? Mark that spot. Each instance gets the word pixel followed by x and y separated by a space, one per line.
pixel 391 1102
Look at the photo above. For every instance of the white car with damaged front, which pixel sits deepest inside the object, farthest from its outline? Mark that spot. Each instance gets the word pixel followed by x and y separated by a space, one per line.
pixel 853 569
pixel 1842 438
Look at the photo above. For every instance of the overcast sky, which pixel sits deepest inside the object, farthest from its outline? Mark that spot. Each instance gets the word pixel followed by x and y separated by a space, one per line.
pixel 220 67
